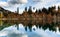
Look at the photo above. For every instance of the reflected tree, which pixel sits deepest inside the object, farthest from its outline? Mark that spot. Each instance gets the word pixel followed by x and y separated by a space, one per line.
pixel 25 28
pixel 30 26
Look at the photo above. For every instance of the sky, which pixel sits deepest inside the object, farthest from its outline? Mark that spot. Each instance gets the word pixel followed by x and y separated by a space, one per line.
pixel 38 4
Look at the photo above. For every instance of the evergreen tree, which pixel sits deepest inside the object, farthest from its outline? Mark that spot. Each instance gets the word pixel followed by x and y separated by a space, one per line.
pixel 30 10
pixel 25 8
pixel 39 11
pixel 44 10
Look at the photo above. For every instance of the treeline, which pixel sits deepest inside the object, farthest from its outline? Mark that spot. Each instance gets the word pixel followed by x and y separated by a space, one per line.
pixel 51 10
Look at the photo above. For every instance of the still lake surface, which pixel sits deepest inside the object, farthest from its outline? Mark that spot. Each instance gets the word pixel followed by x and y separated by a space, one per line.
pixel 29 29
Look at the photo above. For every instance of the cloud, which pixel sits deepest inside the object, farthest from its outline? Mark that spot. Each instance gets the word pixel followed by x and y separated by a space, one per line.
pixel 46 3
pixel 46 33
pixel 14 33
pixel 37 0
pixel 3 3
pixel 13 2
pixel 41 0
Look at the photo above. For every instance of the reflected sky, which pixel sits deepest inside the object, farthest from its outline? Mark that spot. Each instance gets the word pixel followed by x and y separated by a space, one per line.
pixel 13 32
pixel 29 29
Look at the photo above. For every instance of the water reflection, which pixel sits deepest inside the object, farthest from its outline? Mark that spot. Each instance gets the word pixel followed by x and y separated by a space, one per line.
pixel 28 24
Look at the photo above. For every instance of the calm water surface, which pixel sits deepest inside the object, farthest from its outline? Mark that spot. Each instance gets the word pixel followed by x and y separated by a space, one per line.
pixel 29 29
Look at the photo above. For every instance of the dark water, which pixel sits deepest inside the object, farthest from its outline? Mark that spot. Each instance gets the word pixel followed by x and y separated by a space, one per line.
pixel 29 29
